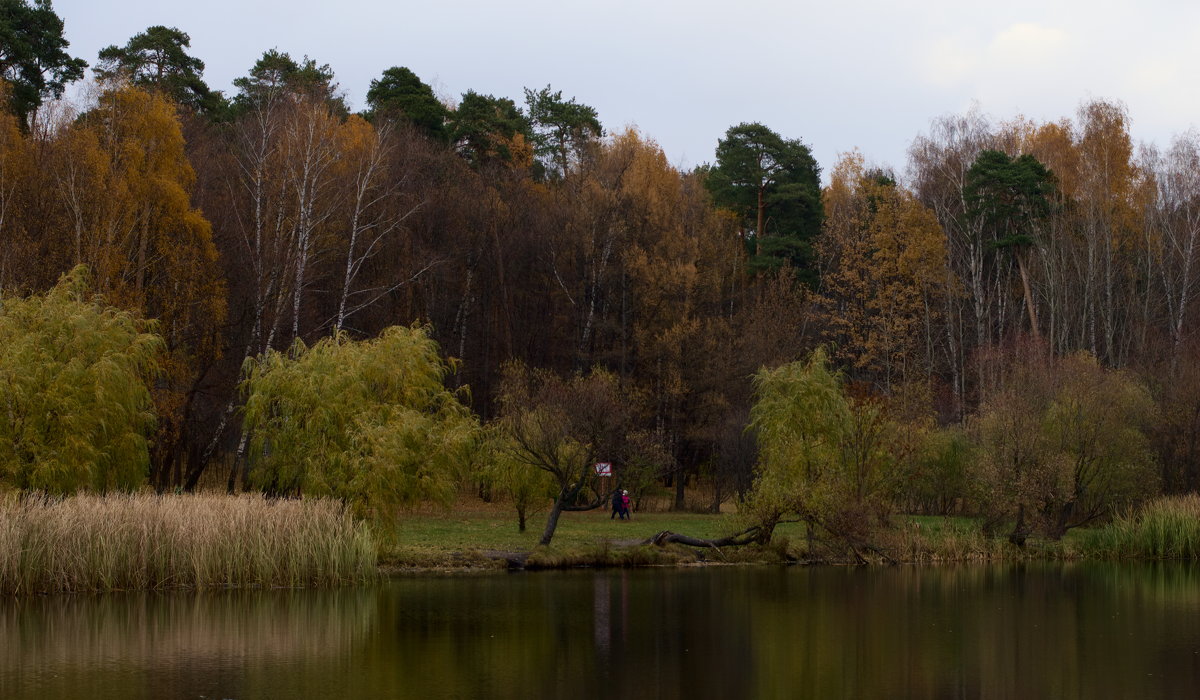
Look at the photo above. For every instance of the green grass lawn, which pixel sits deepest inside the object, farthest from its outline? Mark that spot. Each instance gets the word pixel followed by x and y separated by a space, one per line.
pixel 496 529
pixel 461 537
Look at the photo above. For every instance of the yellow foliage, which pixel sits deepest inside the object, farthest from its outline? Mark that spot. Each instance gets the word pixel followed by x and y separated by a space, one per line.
pixel 885 260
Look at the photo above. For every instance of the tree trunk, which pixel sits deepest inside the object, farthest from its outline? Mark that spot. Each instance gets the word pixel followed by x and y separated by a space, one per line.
pixel 1029 306
pixel 759 229
pixel 1064 520
pixel 742 538
pixel 715 507
pixel 552 522
pixel 1020 531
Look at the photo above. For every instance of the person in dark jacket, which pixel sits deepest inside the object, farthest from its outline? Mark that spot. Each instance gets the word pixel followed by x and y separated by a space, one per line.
pixel 618 505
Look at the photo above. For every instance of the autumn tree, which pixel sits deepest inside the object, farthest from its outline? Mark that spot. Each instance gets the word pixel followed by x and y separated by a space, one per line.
pixel 1062 443
pixel 1111 193
pixel 939 162
pixel 675 269
pixel 1173 222
pixel 369 422
pixel 33 55
pixel 16 176
pixel 884 279
pixel 118 199
pixel 375 207
pixel 1054 263
pixel 75 409
pixel 563 427
pixel 773 185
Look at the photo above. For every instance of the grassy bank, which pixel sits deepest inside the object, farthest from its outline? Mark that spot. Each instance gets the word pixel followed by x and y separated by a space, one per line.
pixel 93 543
pixel 476 536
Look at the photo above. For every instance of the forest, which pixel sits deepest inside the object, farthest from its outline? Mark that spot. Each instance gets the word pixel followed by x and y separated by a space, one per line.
pixel 1006 326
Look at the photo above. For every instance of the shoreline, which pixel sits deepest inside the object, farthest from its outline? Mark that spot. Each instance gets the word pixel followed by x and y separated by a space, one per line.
pixel 148 543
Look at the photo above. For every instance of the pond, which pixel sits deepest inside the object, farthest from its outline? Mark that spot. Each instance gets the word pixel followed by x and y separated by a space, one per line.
pixel 1013 631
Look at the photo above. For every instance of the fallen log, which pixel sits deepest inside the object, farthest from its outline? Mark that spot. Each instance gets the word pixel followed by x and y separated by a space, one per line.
pixel 667 537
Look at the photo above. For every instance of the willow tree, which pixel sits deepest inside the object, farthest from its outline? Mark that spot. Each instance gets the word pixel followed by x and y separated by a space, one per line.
pixel 369 422
pixel 75 409
pixel 826 459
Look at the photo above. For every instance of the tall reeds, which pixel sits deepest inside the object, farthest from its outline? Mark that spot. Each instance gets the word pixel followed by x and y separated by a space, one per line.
pixel 1165 528
pixel 103 543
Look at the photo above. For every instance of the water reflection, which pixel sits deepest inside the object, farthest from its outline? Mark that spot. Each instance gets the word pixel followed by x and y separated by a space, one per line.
pixel 1063 631
pixel 155 645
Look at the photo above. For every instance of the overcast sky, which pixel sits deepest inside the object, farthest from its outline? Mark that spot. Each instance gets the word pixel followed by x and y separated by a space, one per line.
pixel 838 76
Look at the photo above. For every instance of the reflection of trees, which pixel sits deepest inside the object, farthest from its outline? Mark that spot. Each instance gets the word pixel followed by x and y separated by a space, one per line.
pixel 1065 631
pixel 623 634
pixel 1018 631
pixel 178 642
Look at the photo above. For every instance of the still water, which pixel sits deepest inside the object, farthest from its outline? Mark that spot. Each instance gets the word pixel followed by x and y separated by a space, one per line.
pixel 1033 631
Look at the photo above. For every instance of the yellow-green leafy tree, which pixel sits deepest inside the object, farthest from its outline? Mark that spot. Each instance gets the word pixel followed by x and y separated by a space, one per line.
pixel 825 458
pixel 501 470
pixel 75 408
pixel 369 422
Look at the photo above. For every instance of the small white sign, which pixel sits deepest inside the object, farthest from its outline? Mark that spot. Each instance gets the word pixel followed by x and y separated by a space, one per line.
pixel 603 468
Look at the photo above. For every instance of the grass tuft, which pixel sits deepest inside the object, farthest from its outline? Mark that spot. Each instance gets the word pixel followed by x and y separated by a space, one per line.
pixel 1165 528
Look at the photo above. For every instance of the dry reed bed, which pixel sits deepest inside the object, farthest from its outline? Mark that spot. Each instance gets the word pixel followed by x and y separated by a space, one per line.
pixel 126 542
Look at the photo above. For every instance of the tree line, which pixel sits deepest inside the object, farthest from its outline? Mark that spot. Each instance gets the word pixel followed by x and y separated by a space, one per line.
pixel 534 247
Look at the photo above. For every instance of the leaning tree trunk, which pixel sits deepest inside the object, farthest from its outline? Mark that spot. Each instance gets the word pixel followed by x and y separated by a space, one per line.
pixel 552 522
pixel 1030 308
